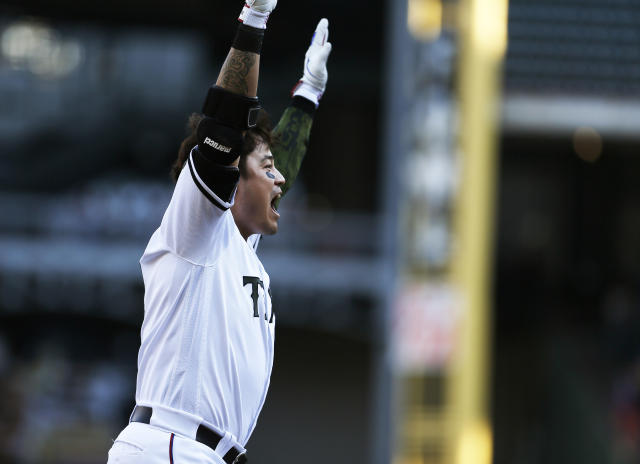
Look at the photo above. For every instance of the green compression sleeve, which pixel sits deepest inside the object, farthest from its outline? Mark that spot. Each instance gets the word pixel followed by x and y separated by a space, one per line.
pixel 292 134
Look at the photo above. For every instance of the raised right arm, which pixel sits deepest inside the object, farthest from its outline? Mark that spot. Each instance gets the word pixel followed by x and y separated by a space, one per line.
pixel 239 73
pixel 231 107
pixel 192 227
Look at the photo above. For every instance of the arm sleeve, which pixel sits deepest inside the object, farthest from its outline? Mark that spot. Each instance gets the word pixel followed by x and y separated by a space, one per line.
pixel 292 137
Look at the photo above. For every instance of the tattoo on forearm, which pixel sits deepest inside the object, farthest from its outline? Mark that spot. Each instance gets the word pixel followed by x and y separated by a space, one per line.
pixel 235 71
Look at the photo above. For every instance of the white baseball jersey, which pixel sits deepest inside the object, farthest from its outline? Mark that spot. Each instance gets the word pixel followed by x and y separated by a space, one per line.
pixel 208 330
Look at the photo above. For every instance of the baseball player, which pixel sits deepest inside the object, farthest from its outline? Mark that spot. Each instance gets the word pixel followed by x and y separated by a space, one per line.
pixel 207 338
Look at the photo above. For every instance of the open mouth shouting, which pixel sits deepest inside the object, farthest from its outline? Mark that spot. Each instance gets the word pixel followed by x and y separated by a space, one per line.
pixel 274 202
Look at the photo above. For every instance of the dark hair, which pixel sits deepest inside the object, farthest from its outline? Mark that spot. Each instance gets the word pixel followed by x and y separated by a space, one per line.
pixel 261 133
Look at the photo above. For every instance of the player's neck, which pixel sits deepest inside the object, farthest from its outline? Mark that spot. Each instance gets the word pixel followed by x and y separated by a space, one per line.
pixel 244 232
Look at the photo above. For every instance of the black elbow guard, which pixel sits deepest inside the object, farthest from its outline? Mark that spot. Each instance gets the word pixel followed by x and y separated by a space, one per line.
pixel 231 109
pixel 219 143
pixel 218 146
pixel 216 182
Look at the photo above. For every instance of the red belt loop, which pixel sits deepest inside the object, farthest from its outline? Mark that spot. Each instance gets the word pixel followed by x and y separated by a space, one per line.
pixel 171 448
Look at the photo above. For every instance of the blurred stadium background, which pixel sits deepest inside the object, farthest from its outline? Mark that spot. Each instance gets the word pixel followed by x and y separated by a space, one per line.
pixel 452 285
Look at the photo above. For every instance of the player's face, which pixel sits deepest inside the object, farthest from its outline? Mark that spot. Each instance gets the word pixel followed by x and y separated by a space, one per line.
pixel 258 189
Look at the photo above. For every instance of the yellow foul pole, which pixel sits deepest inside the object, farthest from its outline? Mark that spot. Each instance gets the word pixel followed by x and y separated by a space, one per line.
pixel 482 41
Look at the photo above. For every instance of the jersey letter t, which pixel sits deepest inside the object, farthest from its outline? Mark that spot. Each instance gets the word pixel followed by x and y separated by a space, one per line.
pixel 254 281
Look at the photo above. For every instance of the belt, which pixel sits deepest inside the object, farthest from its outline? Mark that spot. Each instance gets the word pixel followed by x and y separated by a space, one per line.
pixel 204 435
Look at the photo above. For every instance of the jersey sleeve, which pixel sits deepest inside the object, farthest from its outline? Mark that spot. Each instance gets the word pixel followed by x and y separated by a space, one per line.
pixel 292 137
pixel 197 224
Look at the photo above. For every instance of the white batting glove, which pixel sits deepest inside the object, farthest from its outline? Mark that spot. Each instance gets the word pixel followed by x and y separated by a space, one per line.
pixel 256 12
pixel 314 78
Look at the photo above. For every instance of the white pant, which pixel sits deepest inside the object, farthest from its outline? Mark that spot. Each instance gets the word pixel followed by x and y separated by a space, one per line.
pixel 142 443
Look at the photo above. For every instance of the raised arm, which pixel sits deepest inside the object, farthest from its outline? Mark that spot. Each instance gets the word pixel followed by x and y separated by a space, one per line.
pixel 239 73
pixel 231 107
pixel 206 170
pixel 294 128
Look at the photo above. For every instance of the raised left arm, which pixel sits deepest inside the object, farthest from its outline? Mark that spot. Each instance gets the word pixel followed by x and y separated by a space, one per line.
pixel 294 128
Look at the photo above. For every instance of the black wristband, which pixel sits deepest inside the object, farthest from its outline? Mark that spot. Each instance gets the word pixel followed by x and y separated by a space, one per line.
pixel 248 39
pixel 305 105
